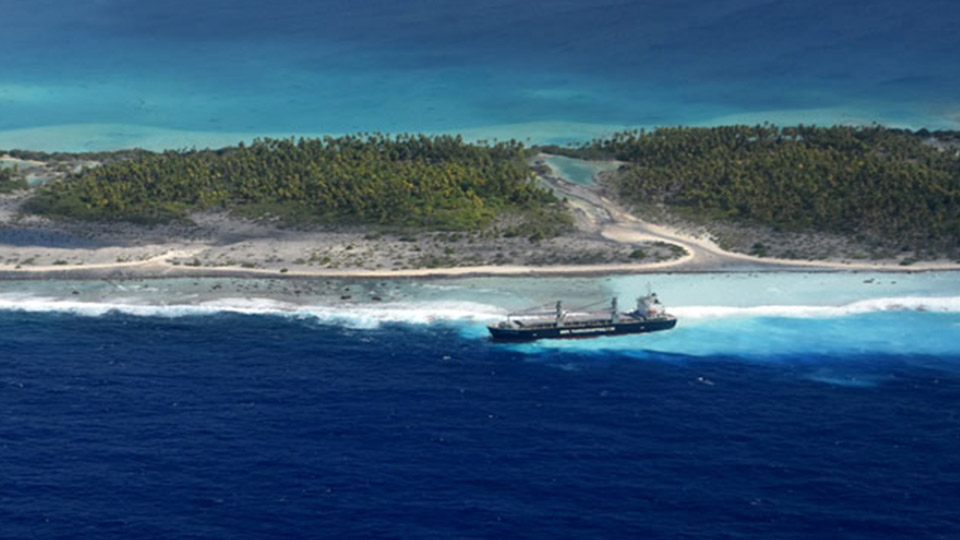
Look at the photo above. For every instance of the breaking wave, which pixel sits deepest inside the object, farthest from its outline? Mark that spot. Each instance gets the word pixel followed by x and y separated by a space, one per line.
pixel 364 315
pixel 354 315
pixel 949 304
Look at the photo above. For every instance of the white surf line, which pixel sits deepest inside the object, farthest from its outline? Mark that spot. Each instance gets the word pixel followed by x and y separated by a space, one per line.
pixel 935 304
pixel 367 315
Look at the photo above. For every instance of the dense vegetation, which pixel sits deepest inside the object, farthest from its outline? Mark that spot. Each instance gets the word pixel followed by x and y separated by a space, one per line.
pixel 888 184
pixel 10 180
pixel 413 181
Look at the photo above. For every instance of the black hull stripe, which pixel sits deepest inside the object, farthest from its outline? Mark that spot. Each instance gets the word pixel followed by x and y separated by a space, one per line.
pixel 533 334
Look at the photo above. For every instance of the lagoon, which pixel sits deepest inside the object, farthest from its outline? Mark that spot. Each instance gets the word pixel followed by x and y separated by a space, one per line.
pixel 121 73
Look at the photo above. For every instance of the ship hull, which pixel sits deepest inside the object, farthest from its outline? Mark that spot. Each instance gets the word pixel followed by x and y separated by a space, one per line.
pixel 580 331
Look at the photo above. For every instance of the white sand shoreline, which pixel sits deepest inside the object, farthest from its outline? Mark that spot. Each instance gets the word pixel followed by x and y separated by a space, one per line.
pixel 161 267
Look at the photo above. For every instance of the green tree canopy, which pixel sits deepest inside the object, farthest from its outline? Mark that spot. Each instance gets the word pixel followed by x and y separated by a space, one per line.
pixel 407 180
pixel 885 183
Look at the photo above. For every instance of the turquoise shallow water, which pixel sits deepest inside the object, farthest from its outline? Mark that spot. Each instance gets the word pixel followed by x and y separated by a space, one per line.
pixel 745 314
pixel 577 170
pixel 117 73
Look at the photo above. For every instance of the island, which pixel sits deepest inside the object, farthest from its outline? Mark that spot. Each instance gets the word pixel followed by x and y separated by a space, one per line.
pixel 373 205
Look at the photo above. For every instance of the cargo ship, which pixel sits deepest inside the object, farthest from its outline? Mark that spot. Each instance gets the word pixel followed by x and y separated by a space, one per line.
pixel 531 325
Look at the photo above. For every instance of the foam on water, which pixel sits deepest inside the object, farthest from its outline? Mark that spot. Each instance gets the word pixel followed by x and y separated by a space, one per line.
pixel 426 312
pixel 882 326
pixel 896 325
pixel 352 315
pixel 935 304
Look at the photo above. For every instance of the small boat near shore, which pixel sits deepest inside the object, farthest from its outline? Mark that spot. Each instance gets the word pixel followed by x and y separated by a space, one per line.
pixel 531 325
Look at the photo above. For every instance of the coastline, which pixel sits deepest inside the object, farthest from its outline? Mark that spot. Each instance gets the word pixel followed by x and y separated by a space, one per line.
pixel 606 241
pixel 160 267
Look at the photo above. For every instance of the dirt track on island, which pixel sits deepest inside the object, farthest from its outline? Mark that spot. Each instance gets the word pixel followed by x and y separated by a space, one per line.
pixel 613 222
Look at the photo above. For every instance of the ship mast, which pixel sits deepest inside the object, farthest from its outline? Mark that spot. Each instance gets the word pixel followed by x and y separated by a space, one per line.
pixel 559 314
pixel 614 312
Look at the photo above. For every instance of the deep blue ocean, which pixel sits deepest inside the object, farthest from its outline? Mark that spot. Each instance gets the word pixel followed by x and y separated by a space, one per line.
pixel 101 74
pixel 262 426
